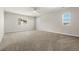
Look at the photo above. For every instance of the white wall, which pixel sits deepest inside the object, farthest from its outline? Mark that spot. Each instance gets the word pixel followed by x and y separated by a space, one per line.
pixel 11 23
pixel 53 22
pixel 1 23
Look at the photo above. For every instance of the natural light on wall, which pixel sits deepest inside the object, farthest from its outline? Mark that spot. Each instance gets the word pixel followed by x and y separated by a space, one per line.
pixel 66 18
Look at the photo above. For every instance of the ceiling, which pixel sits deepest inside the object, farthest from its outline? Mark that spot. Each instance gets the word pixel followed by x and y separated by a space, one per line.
pixel 29 10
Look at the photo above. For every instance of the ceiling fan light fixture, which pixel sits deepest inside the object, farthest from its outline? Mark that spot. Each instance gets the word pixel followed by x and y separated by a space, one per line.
pixel 35 10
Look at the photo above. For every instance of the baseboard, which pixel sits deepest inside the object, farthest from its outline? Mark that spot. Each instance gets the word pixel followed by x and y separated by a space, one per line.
pixel 67 34
pixel 51 31
pixel 64 33
pixel 18 31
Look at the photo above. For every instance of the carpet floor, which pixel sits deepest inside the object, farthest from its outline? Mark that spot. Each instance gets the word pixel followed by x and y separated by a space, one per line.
pixel 39 41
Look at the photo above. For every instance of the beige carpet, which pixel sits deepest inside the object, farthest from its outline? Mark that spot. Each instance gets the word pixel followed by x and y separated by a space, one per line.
pixel 39 41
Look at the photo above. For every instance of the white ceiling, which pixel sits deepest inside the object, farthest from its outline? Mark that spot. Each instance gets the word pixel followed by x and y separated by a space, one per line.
pixel 29 11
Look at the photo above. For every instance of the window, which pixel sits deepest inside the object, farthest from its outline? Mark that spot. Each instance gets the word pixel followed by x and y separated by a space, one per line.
pixel 66 18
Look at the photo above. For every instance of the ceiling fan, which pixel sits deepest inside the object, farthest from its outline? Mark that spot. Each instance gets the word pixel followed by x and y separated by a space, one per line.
pixel 36 10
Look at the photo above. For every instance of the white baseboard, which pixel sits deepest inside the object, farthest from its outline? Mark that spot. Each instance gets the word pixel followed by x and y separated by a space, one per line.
pixel 63 33
pixel 67 34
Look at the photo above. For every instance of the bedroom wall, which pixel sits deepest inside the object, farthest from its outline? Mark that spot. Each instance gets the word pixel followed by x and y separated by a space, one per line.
pixel 11 23
pixel 52 22
pixel 1 23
